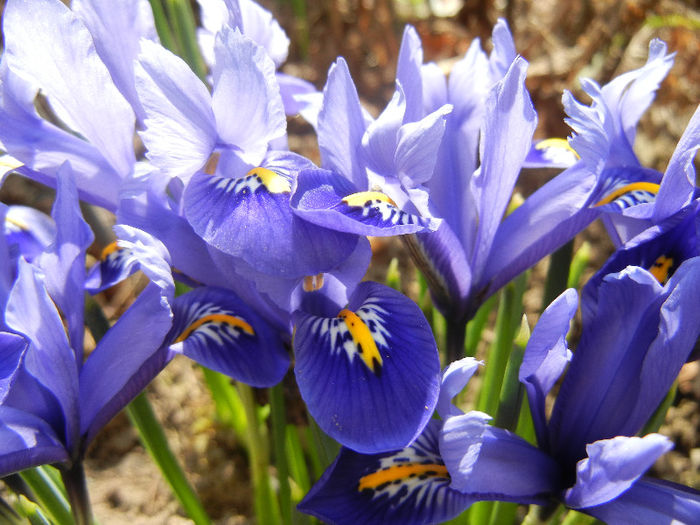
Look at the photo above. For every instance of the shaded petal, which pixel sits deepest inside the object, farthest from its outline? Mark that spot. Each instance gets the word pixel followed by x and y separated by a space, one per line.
pixel 602 384
pixel 250 217
pixel 509 124
pixel 370 377
pixel 64 263
pixel 246 99
pixel 291 88
pixel 258 24
pixel 180 129
pixel 215 328
pixel 612 466
pixel 341 125
pixel 454 379
pixel 327 199
pixel 490 463
pixel 126 359
pixel 409 487
pixel 43 40
pixel 503 52
pixel 546 356
pixel 49 359
pixel 116 29
pixel 27 441
pixel 113 267
pixel 31 230
pixel 12 348
pixel 651 501
pixel 380 140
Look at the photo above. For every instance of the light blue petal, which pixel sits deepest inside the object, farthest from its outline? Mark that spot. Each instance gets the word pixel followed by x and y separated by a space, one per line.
pixel 454 379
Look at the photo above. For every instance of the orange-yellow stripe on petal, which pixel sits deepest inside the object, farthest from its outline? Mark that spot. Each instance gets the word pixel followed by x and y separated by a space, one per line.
pixel 635 186
pixel 109 249
pixel 661 267
pixel 399 472
pixel 361 198
pixel 362 337
pixel 216 318
pixel 272 181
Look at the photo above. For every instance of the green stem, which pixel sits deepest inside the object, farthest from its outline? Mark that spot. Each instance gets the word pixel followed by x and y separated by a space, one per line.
pixel 279 438
pixel 48 495
pixel 229 407
pixel 475 327
pixel 266 509
pixel 185 33
pixel 659 415
pixel 76 487
pixel 558 273
pixel 162 27
pixel 153 438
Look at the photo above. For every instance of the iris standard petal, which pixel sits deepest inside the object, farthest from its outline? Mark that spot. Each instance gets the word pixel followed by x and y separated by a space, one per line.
pixel 489 463
pixel 328 199
pixel 546 356
pixel 12 348
pixel 43 39
pixel 27 441
pixel 125 360
pixel 180 129
pixel 507 135
pixel 250 217
pixel 612 466
pixel 408 73
pixel 651 501
pixel 215 328
pixel 246 99
pixel 411 487
pixel 370 377
pixel 341 125
pixel 49 359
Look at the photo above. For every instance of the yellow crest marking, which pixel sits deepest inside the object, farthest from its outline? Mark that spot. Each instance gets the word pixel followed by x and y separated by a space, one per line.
pixel 363 197
pixel 10 163
pixel 313 283
pixel 362 337
pixel 376 479
pixel 272 181
pixel 661 267
pixel 216 318
pixel 619 192
pixel 556 143
pixel 109 249
pixel 19 224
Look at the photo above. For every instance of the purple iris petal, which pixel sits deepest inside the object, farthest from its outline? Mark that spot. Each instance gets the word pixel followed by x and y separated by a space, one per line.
pixel 546 356
pixel 454 379
pixel 651 501
pixel 490 463
pixel 215 328
pixel 370 376
pixel 410 487
pixel 13 349
pixel 612 467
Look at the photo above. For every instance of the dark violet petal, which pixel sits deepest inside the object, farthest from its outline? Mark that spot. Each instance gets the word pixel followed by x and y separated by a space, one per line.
pixel 114 266
pixel 612 467
pixel 27 441
pixel 454 378
pixel 410 487
pixel 370 377
pixel 12 348
pixel 507 134
pixel 602 384
pixel 490 463
pixel 49 358
pixel 251 219
pixel 215 328
pixel 126 359
pixel 651 501
pixel 63 263
pixel 327 199
pixel 546 356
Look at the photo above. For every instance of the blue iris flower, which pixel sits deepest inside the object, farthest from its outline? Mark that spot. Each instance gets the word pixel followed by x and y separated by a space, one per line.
pixel 52 403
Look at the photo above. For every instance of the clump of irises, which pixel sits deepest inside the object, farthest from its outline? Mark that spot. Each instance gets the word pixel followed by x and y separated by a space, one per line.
pixel 255 260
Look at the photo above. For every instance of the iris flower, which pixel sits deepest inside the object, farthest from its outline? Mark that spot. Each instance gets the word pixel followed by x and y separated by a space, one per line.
pixel 52 403
pixel 635 339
